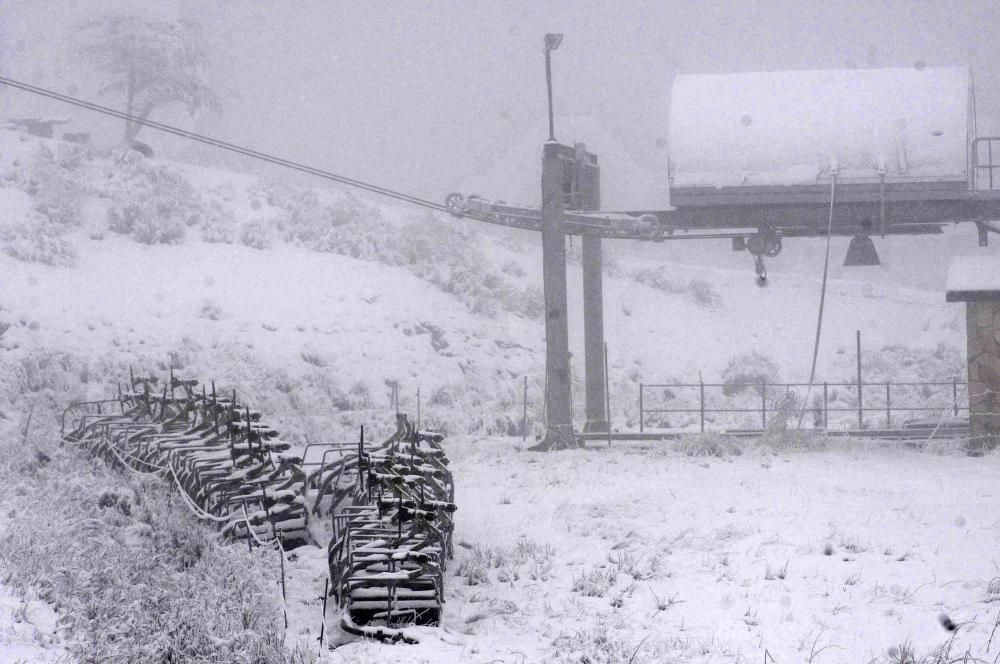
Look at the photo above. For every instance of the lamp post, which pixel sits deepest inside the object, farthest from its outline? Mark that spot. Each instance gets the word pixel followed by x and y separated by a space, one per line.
pixel 552 41
pixel 558 399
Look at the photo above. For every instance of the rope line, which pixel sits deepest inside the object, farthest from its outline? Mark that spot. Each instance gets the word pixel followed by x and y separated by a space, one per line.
pixel 118 453
pixel 214 142
pixel 822 297
pixel 192 506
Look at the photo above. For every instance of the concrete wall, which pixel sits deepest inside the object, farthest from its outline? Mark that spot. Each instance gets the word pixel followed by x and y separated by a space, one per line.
pixel 983 329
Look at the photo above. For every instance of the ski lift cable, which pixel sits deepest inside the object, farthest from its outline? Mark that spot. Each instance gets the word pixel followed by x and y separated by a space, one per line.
pixel 214 142
pixel 822 295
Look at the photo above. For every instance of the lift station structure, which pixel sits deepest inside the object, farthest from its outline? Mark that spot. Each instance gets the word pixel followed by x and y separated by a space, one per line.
pixel 754 158
pixel 757 158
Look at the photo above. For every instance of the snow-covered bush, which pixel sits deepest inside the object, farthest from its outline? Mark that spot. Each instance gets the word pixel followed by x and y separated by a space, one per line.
pixel 709 444
pixel 162 227
pixel 54 183
pixel 211 310
pixel 256 234
pixel 152 203
pixel 657 278
pixel 513 269
pixel 219 224
pixel 434 250
pixel 37 240
pixel 701 291
pixel 749 369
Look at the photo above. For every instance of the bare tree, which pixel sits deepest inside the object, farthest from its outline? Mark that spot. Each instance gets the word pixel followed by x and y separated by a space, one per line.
pixel 151 63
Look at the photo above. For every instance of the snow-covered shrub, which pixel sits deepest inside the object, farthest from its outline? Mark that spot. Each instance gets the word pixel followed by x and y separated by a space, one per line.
pixel 709 444
pixel 700 290
pixel 36 239
pixel 153 203
pixel 434 250
pixel 703 293
pixel 657 278
pixel 54 183
pixel 360 396
pixel 256 234
pixel 219 224
pixel 749 369
pixel 161 227
pixel 513 269
pixel 785 408
pixel 210 310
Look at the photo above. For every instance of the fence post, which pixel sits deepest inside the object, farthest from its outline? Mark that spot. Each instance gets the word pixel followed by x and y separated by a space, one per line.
pixel 418 409
pixel 826 413
pixel 861 421
pixel 763 405
pixel 524 412
pixel 954 394
pixel 888 406
pixel 701 387
pixel 641 418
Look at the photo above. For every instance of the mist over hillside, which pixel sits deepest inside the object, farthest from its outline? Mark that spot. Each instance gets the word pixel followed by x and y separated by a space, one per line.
pixel 270 393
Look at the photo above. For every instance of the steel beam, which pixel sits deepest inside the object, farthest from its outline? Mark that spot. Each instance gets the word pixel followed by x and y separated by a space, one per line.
pixel 593 335
pixel 558 398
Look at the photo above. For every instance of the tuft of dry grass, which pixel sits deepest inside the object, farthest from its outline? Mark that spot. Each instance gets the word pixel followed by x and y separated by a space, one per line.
pixel 596 582
pixel 130 575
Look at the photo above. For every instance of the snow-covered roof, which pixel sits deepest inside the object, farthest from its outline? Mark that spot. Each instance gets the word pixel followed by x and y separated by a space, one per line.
pixel 974 278
pixel 785 128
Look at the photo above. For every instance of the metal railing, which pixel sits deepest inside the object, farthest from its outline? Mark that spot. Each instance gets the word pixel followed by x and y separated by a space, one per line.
pixel 982 160
pixel 830 402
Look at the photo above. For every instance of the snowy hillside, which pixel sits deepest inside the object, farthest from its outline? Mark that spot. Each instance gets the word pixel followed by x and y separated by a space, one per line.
pixel 370 293
pixel 315 304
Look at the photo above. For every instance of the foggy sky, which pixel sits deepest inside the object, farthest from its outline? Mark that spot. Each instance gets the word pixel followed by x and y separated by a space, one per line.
pixel 420 95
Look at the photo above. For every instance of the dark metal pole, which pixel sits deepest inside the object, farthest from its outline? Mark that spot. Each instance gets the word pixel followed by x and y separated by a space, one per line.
pixel 954 394
pixel 826 409
pixel 763 405
pixel 641 418
pixel 322 626
pixel 888 406
pixel 701 389
pixel 861 422
pixel 593 323
pixel 548 85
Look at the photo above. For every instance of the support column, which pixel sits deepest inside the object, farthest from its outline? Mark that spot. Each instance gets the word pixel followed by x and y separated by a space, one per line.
pixel 983 329
pixel 593 335
pixel 558 398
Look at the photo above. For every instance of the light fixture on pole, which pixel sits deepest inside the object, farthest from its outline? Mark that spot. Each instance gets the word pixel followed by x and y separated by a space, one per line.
pixel 552 41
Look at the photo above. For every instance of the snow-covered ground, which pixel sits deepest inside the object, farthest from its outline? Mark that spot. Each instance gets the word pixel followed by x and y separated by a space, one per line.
pixel 843 553
pixel 317 339
pixel 27 630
